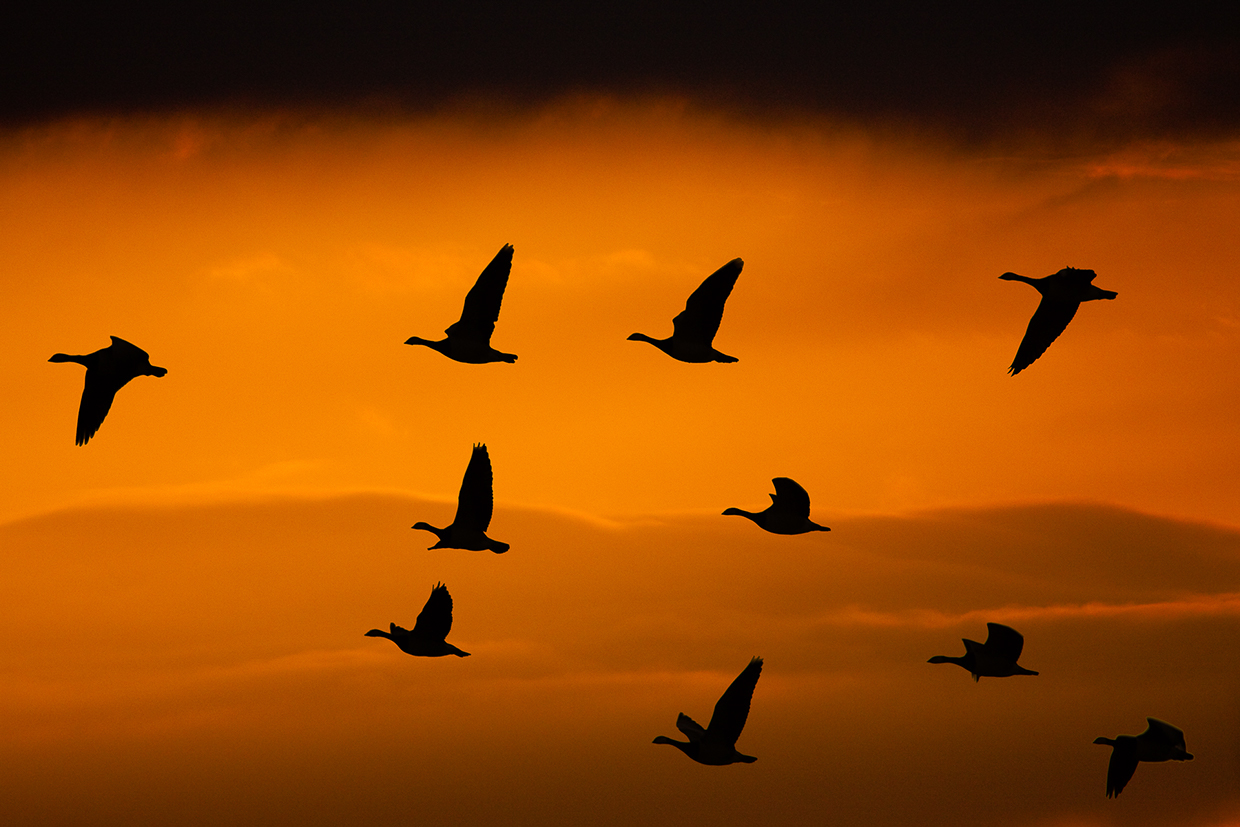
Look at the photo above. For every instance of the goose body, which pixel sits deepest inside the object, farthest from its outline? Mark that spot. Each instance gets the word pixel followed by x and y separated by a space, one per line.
pixel 996 658
pixel 788 512
pixel 469 338
pixel 716 744
pixel 427 638
pixel 474 505
pixel 107 371
pixel 1062 293
pixel 1160 742
pixel 694 329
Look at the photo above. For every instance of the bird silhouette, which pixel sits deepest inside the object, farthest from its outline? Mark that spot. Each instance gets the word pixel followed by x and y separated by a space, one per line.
pixel 1062 293
pixel 716 745
pixel 469 338
pixel 788 512
pixel 426 640
pixel 996 658
pixel 107 371
pixel 474 505
pixel 1160 742
pixel 694 329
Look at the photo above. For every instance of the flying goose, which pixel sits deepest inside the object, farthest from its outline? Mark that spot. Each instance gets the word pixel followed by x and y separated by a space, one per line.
pixel 107 371
pixel 433 624
pixel 788 512
pixel 1062 293
pixel 1160 742
pixel 469 338
pixel 996 658
pixel 694 329
pixel 474 505
pixel 716 745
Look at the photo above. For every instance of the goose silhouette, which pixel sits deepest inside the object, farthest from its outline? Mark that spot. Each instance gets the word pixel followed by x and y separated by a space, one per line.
pixel 427 639
pixel 469 338
pixel 1062 293
pixel 788 512
pixel 1160 742
pixel 107 371
pixel 694 329
pixel 474 505
pixel 996 658
pixel 716 745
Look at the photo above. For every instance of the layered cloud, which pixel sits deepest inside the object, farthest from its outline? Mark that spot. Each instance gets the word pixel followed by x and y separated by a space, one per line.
pixel 277 270
pixel 220 646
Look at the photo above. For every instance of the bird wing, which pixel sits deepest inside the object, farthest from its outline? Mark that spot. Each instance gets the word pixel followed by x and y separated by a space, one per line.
pixel 482 303
pixel 732 710
pixel 1122 765
pixel 129 350
pixel 435 619
pixel 1004 641
pixel 691 728
pixel 475 502
pixel 97 396
pixel 790 497
pixel 703 312
pixel 1075 276
pixel 1049 320
pixel 1165 732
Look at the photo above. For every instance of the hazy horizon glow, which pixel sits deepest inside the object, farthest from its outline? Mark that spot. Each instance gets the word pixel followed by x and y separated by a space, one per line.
pixel 186 595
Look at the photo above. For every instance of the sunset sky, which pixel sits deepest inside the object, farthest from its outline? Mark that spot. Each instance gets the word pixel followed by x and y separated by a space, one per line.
pixel 270 207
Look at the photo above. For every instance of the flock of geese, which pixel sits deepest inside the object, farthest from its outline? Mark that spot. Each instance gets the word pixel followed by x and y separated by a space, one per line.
pixel 693 332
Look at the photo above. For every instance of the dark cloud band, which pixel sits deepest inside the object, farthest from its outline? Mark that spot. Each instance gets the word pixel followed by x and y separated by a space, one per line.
pixel 973 72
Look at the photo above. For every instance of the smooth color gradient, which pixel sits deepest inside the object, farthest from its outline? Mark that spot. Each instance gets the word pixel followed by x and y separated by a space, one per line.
pixel 184 598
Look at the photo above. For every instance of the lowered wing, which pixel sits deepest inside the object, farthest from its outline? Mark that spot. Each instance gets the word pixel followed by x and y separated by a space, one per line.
pixel 1049 320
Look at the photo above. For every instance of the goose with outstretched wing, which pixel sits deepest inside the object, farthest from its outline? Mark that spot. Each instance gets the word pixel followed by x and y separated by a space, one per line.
pixel 788 512
pixel 474 506
pixel 469 338
pixel 694 329
pixel 1062 293
pixel 996 658
pixel 107 371
pixel 716 744
pixel 427 638
pixel 1160 742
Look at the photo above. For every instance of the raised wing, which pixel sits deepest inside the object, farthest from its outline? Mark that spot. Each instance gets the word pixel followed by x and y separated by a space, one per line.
pixel 691 728
pixel 482 303
pixel 1164 732
pixel 1077 277
pixel 732 710
pixel 703 312
pixel 1122 765
pixel 475 502
pixel 1004 641
pixel 790 497
pixel 1049 320
pixel 128 350
pixel 435 619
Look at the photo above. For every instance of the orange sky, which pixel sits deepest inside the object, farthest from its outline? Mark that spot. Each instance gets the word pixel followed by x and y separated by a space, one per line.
pixel 186 595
